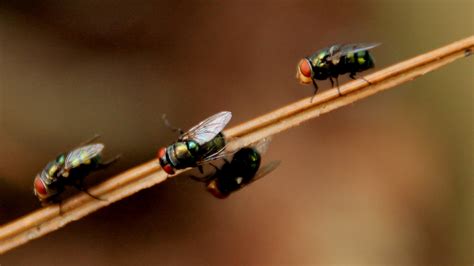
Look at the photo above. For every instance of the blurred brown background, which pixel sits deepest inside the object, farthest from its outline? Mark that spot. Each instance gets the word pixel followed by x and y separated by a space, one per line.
pixel 386 180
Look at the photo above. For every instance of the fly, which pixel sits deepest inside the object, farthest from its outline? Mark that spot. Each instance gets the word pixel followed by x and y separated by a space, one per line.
pixel 242 170
pixel 69 169
pixel 331 62
pixel 199 144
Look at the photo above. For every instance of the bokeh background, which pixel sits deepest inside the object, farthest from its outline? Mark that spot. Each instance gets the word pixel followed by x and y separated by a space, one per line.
pixel 386 180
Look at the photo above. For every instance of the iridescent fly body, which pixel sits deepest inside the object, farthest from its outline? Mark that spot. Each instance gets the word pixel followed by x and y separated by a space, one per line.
pixel 243 169
pixel 69 169
pixel 329 63
pixel 201 143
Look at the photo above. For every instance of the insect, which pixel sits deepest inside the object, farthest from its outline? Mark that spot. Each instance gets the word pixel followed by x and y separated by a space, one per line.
pixel 201 143
pixel 243 169
pixel 329 63
pixel 69 169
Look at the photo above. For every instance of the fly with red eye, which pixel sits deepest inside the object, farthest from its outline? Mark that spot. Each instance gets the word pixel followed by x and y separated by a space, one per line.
pixel 69 169
pixel 331 62
pixel 198 145
pixel 242 170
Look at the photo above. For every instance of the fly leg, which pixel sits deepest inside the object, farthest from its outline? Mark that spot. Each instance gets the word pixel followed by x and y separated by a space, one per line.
pixel 205 179
pixel 80 186
pixel 54 200
pixel 201 169
pixel 168 125
pixel 337 85
pixel 353 76
pixel 315 89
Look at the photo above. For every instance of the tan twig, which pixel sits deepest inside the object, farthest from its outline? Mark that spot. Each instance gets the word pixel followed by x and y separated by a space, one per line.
pixel 48 219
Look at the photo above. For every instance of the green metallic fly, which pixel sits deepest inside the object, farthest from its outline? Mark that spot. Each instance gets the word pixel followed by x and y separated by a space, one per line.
pixel 242 170
pixel 69 169
pixel 202 143
pixel 330 62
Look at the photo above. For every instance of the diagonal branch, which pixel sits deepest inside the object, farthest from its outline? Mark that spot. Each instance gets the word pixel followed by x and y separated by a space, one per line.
pixel 48 219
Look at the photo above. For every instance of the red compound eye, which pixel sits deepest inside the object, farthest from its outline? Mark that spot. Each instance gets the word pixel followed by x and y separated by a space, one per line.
pixel 212 188
pixel 305 68
pixel 161 153
pixel 40 188
pixel 168 169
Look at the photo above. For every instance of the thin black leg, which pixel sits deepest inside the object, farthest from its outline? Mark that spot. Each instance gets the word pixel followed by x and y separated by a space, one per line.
pixel 80 186
pixel 203 179
pixel 54 200
pixel 337 85
pixel 353 76
pixel 370 83
pixel 315 86
pixel 201 169
pixel 315 89
pixel 215 167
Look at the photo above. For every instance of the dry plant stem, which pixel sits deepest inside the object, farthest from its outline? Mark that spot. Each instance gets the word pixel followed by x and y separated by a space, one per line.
pixel 48 219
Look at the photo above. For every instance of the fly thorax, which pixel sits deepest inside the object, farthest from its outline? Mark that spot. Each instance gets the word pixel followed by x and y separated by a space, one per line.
pixel 50 172
pixel 171 155
pixel 321 67
pixel 193 147
pixel 180 154
pixel 246 163
pixel 61 159
pixel 47 179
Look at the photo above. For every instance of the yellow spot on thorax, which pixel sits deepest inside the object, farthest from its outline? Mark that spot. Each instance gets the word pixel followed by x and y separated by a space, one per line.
pixel 52 170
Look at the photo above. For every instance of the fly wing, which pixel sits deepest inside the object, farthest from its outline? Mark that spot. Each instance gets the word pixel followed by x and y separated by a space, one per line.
pixel 340 51
pixel 207 129
pixel 221 153
pixel 265 170
pixel 261 146
pixel 82 155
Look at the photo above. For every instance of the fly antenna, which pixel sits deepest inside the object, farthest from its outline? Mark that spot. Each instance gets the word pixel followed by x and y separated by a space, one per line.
pixel 171 127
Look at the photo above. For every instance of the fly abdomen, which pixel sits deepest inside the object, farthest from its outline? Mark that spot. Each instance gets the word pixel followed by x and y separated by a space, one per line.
pixel 356 62
pixel 215 145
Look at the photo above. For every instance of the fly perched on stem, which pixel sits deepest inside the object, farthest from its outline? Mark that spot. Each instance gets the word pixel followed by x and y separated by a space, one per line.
pixel 331 62
pixel 70 169
pixel 200 144
pixel 242 170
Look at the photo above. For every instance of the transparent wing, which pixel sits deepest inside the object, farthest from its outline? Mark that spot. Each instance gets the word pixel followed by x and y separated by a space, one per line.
pixel 265 170
pixel 207 129
pixel 337 51
pixel 219 154
pixel 222 153
pixel 261 146
pixel 82 154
